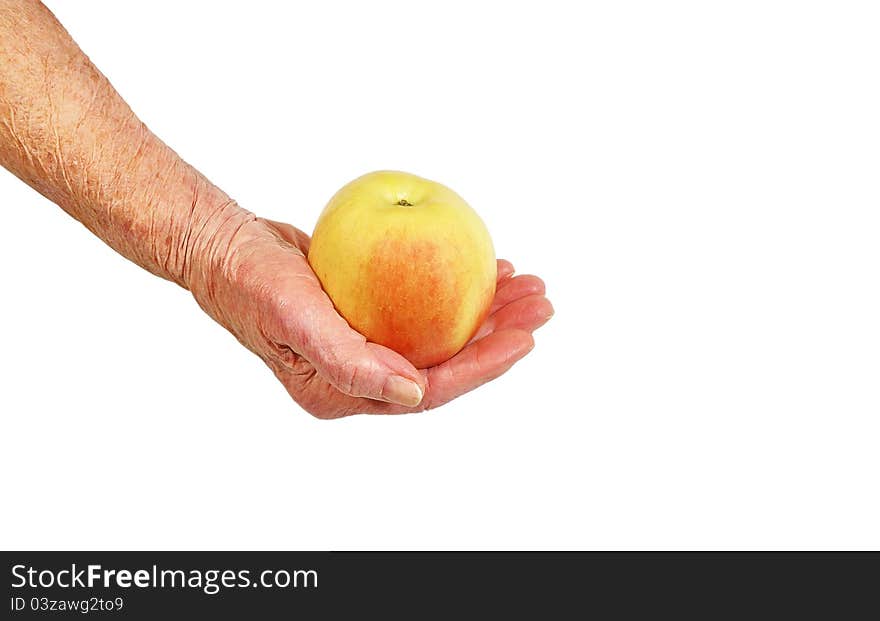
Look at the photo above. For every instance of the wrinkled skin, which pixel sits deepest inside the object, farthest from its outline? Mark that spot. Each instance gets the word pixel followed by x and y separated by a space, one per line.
pixel 266 294
pixel 67 133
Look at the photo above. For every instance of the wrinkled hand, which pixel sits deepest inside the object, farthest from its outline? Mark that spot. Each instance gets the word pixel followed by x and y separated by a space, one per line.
pixel 265 293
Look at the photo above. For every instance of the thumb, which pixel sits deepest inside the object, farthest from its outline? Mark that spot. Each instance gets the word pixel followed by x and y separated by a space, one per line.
pixel 363 369
pixel 340 354
pixel 353 365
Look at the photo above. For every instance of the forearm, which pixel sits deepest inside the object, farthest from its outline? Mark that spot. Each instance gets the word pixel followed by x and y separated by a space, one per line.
pixel 67 133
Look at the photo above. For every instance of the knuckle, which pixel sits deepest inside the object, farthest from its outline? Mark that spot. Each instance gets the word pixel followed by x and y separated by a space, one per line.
pixel 344 376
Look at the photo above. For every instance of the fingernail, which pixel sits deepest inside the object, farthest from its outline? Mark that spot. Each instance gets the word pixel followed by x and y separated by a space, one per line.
pixel 402 391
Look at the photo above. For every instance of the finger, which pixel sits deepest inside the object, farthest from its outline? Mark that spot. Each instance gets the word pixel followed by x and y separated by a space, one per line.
pixel 515 288
pixel 477 364
pixel 472 367
pixel 345 358
pixel 300 319
pixel 528 313
pixel 505 270
pixel 291 234
pixel 361 369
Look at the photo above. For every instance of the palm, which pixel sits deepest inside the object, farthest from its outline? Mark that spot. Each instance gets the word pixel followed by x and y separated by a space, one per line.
pixel 519 307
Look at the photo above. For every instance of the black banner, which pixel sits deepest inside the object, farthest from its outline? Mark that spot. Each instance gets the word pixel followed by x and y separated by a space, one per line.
pixel 266 585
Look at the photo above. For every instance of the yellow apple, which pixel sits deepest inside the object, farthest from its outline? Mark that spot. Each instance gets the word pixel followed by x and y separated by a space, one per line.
pixel 407 263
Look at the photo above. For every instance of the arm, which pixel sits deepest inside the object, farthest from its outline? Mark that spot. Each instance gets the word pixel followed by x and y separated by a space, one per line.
pixel 68 134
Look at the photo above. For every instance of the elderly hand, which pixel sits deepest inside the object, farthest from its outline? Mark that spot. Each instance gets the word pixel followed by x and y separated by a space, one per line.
pixel 261 288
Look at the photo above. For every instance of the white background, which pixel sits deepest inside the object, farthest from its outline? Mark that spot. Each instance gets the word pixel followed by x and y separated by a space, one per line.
pixel 696 182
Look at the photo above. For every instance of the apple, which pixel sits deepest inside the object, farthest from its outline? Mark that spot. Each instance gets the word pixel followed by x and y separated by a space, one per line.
pixel 407 263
